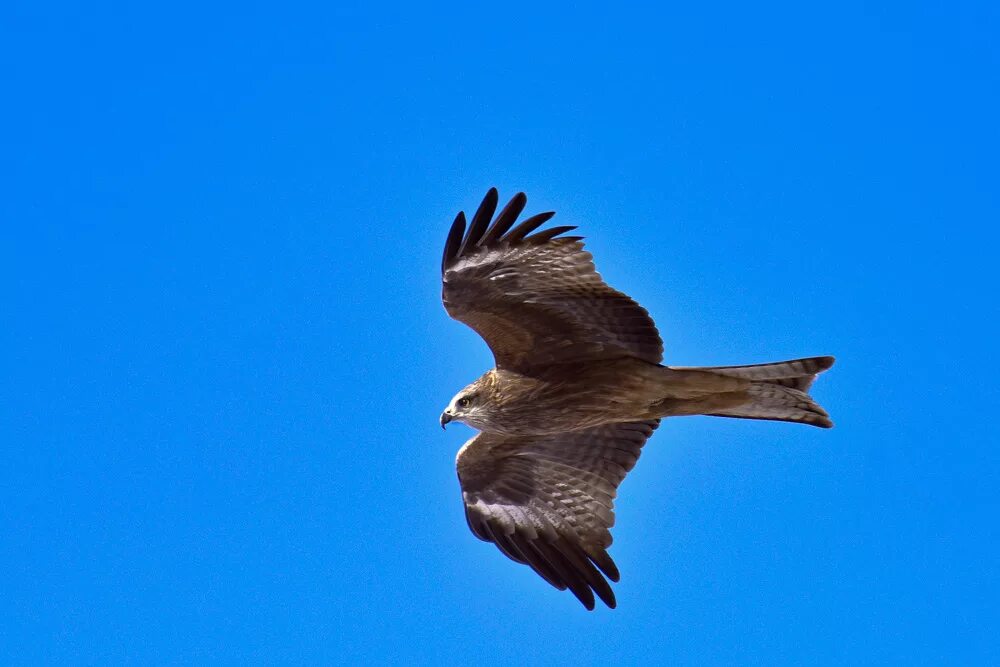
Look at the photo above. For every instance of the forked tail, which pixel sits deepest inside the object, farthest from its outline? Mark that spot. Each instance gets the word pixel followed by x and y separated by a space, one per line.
pixel 777 392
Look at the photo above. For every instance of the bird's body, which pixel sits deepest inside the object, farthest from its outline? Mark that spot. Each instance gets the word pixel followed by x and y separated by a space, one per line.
pixel 577 389
pixel 571 396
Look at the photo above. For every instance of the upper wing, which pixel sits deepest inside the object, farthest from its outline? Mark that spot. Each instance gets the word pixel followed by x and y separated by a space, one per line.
pixel 537 299
pixel 547 500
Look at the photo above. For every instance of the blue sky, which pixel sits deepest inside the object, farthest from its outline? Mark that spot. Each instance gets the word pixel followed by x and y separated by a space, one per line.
pixel 224 352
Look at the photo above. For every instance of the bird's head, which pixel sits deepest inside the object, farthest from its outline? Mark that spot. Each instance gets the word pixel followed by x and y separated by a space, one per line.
pixel 468 406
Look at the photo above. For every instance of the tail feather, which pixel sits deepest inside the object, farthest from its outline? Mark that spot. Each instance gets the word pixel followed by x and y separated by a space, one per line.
pixel 797 373
pixel 777 392
pixel 778 403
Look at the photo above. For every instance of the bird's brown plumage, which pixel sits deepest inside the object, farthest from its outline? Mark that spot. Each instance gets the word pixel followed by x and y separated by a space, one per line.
pixel 547 501
pixel 577 390
pixel 536 299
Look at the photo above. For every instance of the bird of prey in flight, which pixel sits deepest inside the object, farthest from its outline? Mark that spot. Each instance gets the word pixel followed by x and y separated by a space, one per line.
pixel 577 390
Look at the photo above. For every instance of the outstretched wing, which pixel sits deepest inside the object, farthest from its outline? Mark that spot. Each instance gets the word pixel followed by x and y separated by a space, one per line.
pixel 547 501
pixel 535 297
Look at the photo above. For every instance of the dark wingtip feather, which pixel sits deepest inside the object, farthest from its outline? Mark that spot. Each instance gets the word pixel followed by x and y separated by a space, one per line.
pixel 528 226
pixel 549 234
pixel 481 220
pixel 451 246
pixel 603 561
pixel 572 577
pixel 506 218
pixel 537 562
pixel 585 568
pixel 480 233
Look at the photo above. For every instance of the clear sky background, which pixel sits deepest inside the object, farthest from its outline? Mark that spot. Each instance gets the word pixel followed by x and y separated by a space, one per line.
pixel 224 353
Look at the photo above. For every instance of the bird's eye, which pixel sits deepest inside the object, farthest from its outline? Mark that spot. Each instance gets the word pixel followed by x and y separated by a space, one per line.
pixel 463 402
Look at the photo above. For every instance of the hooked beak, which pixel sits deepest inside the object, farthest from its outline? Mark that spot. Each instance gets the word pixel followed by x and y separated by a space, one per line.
pixel 445 418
